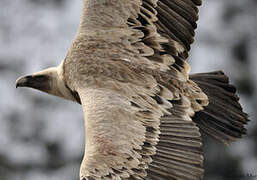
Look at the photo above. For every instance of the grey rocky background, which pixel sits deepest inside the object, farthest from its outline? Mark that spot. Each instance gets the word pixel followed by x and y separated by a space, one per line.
pixel 42 137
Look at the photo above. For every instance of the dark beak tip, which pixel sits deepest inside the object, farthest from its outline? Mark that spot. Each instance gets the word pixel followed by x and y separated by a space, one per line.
pixel 21 81
pixel 17 83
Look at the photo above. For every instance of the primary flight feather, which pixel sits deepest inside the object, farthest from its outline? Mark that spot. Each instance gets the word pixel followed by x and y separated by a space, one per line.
pixel 127 67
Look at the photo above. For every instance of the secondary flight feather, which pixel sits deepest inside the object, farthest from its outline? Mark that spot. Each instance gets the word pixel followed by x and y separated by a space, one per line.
pixel 127 67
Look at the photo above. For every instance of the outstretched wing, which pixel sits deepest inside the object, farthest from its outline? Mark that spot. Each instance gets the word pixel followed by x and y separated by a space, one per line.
pixel 158 28
pixel 125 122
pixel 153 34
pixel 122 122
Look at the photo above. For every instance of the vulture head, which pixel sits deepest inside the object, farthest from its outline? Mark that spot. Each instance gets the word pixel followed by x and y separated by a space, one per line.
pixel 49 80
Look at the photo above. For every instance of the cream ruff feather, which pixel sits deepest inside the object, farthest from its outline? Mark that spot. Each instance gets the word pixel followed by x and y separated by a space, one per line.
pixel 127 67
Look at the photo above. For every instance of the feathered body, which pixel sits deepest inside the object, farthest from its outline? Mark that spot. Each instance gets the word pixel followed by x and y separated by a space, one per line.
pixel 127 67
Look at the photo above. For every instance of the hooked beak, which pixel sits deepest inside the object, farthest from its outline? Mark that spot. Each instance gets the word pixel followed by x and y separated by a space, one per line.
pixel 40 82
pixel 24 81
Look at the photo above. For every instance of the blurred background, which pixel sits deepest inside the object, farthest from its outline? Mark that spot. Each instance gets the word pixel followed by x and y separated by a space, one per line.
pixel 42 137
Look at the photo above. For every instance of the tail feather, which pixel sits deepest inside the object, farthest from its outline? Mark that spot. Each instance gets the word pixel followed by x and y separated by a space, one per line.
pixel 223 118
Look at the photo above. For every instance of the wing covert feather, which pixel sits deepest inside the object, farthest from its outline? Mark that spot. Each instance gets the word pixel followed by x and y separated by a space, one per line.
pixel 151 34
pixel 121 131
pixel 167 26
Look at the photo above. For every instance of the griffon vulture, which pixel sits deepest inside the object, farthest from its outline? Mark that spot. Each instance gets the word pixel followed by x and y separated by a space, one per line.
pixel 127 67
